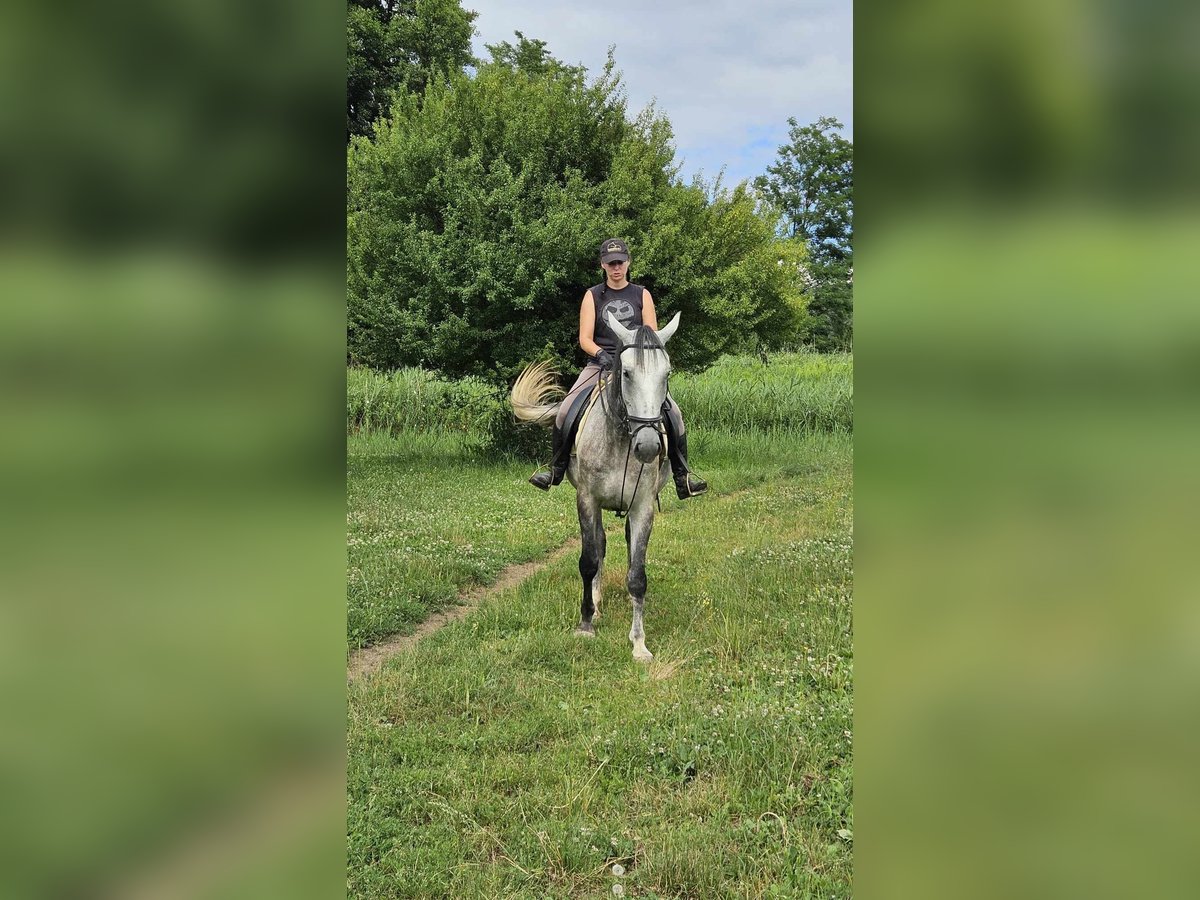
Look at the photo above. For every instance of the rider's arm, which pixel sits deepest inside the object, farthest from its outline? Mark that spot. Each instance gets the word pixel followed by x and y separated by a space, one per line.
pixel 649 316
pixel 587 325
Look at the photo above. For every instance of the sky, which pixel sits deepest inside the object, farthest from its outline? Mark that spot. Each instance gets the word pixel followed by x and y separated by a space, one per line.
pixel 726 74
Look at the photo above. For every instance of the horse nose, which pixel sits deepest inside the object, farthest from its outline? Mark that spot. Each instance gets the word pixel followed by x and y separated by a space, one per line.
pixel 646 445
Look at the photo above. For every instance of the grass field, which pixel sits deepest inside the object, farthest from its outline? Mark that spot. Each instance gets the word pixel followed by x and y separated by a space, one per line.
pixel 502 757
pixel 430 513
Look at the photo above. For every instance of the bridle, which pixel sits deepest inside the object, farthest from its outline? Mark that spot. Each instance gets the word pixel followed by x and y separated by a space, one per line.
pixel 634 425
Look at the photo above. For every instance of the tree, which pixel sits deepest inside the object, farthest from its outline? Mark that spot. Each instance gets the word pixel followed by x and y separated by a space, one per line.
pixel 811 184
pixel 475 213
pixel 400 45
pixel 530 56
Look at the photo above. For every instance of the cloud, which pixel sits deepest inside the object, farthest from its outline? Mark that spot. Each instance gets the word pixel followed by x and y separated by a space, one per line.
pixel 727 75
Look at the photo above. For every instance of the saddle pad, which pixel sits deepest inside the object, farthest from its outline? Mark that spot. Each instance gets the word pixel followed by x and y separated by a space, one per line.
pixel 596 389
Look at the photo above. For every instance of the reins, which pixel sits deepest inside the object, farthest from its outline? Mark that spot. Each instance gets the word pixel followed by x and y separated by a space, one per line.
pixel 623 416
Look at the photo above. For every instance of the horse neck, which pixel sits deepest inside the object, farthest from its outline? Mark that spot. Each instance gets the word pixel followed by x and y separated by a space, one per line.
pixel 611 403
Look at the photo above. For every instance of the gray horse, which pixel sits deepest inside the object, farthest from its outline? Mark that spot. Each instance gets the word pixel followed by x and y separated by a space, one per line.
pixel 620 462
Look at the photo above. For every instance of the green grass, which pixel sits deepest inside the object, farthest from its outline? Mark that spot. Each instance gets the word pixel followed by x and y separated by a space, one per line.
pixel 807 391
pixel 427 517
pixel 502 757
pixel 426 520
pixel 432 510
pixel 413 399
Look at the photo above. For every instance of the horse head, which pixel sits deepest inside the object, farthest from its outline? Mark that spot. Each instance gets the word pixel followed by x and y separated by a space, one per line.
pixel 640 374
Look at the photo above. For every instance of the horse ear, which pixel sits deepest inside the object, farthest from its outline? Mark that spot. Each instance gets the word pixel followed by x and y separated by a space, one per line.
pixel 669 330
pixel 624 335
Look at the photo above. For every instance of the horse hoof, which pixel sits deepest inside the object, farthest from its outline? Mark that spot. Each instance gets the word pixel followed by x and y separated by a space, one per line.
pixel 643 655
pixel 585 631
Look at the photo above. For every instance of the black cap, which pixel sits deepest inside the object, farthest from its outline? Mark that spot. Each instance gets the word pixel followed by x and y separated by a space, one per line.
pixel 612 250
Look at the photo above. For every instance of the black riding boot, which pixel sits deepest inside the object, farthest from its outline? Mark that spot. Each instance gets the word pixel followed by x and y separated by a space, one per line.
pixel 560 458
pixel 561 442
pixel 686 483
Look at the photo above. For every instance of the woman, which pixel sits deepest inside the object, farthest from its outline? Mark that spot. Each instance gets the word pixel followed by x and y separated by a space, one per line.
pixel 631 305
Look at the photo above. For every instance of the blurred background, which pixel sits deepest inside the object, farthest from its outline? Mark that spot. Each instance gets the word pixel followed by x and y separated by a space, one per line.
pixel 1026 435
pixel 171 468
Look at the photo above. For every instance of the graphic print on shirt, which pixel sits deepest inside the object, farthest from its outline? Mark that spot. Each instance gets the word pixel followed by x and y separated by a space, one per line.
pixel 622 310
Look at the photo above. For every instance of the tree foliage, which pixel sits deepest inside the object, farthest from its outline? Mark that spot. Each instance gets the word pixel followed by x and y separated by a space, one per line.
pixel 812 185
pixel 831 310
pixel 475 213
pixel 401 45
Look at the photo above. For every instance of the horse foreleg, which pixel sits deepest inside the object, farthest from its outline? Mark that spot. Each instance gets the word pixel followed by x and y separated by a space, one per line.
pixel 591 562
pixel 598 578
pixel 638 536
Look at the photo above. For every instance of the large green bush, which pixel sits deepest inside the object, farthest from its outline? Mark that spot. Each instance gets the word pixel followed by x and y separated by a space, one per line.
pixel 476 210
pixel 400 45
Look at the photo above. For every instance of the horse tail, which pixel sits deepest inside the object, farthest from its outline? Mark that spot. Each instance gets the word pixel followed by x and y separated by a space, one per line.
pixel 536 395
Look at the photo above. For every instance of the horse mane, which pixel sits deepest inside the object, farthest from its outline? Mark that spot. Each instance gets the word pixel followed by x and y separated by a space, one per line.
pixel 646 338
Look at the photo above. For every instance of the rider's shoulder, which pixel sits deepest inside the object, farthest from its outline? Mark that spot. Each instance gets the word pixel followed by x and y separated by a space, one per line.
pixel 596 291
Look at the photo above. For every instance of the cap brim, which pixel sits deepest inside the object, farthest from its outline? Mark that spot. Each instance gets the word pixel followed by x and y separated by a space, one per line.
pixel 613 257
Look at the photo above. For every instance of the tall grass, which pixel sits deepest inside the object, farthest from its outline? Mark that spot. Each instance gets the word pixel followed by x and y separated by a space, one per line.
pixel 790 391
pixel 808 391
pixel 416 400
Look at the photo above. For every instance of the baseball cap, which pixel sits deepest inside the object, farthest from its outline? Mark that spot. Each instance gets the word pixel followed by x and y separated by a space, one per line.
pixel 613 249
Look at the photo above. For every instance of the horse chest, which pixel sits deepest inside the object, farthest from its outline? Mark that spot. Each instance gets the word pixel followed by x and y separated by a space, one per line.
pixel 609 473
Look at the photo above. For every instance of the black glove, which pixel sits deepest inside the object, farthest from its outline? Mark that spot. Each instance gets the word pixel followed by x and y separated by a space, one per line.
pixel 604 359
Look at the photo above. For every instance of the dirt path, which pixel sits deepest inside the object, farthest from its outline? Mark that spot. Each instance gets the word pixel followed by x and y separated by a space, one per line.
pixel 369 660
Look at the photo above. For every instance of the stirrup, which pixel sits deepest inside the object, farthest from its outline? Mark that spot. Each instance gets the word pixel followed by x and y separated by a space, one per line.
pixel 542 480
pixel 688 485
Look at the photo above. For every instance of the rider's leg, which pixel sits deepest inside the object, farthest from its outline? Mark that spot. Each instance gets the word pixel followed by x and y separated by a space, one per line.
pixel 687 484
pixel 563 435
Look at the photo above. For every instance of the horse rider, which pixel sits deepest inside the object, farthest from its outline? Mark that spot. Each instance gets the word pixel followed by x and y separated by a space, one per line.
pixel 631 305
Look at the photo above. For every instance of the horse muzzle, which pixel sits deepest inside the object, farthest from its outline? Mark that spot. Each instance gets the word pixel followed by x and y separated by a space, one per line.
pixel 646 440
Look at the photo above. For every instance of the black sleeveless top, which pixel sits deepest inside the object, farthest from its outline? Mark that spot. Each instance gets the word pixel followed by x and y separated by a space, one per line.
pixel 625 306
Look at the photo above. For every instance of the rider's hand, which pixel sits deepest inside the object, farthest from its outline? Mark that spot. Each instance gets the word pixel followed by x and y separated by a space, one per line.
pixel 604 359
